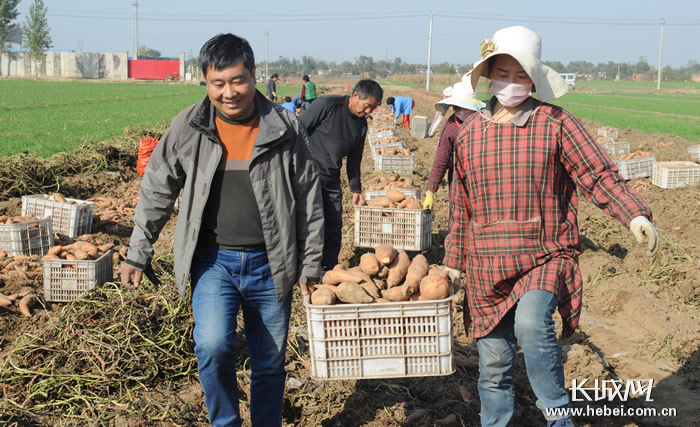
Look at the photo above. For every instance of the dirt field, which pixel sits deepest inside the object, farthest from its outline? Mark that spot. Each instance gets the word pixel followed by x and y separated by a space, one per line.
pixel 641 320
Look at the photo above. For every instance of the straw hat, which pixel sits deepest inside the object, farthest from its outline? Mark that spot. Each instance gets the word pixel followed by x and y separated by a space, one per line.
pixel 461 95
pixel 525 46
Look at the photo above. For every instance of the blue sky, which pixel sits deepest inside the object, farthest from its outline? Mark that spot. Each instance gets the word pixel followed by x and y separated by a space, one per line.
pixel 621 31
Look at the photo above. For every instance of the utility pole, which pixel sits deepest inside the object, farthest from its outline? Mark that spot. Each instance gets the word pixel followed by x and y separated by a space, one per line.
pixel 267 53
pixel 135 30
pixel 661 54
pixel 430 47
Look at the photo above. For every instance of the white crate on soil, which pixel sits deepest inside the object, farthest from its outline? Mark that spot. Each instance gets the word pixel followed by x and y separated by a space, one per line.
pixel 375 148
pixel 394 163
pixel 26 238
pixel 675 174
pixel 72 218
pixel 641 167
pixel 380 340
pixel 616 148
pixel 694 151
pixel 375 137
pixel 407 229
pixel 612 133
pixel 373 194
pixel 65 280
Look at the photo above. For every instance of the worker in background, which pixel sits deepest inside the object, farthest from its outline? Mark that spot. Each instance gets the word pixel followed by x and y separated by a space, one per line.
pixel 402 105
pixel 464 102
pixel 308 93
pixel 271 91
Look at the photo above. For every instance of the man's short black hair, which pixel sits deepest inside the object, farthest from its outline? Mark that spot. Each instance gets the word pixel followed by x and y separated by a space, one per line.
pixel 275 76
pixel 390 100
pixel 224 50
pixel 368 87
pixel 287 99
pixel 305 78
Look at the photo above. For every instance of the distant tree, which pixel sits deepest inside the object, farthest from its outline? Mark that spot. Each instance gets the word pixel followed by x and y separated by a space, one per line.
pixel 148 52
pixel 447 68
pixel 308 64
pixel 36 31
pixel 556 66
pixel 642 66
pixel 8 12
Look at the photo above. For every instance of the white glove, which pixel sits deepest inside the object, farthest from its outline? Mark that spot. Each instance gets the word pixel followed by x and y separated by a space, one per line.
pixel 641 227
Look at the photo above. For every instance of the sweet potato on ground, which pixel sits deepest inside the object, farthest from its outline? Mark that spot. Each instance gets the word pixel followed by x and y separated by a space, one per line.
pixel 323 296
pixel 398 269
pixel 339 274
pixel 369 264
pixel 436 285
pixel 416 272
pixel 26 303
pixel 385 254
pixel 352 293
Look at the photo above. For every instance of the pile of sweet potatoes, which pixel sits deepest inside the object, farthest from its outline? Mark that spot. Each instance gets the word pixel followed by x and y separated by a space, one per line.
pixel 391 181
pixel 394 199
pixel 9 220
pixel 387 140
pixel 393 151
pixel 633 155
pixel 387 275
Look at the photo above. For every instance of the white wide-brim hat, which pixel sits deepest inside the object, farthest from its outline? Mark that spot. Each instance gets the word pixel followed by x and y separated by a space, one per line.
pixel 462 95
pixel 525 46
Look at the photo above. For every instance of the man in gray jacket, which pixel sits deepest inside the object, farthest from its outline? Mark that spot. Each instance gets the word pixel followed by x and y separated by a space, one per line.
pixel 250 225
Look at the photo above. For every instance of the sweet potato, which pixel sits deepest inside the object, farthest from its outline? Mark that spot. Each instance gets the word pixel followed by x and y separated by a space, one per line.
pixel 5 300
pixel 384 272
pixel 395 196
pixel 416 272
pixel 436 285
pixel 379 283
pixel 80 254
pixel 323 296
pixel 352 293
pixel 50 256
pixel 26 303
pixel 397 293
pixel 55 250
pixel 371 289
pixel 414 204
pixel 369 264
pixel 58 197
pixel 398 269
pixel 385 254
pixel 339 274
pixel 3 254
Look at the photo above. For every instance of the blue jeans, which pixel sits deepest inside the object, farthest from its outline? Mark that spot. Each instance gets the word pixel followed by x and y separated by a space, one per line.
pixel 332 222
pixel 530 321
pixel 223 281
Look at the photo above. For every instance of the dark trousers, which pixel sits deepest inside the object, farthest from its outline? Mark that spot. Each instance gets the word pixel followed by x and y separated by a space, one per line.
pixel 333 222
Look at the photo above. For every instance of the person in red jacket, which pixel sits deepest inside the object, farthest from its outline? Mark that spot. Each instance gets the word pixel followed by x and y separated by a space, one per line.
pixel 519 167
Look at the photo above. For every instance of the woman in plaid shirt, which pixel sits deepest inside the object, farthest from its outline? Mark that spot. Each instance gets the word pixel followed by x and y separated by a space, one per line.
pixel 518 166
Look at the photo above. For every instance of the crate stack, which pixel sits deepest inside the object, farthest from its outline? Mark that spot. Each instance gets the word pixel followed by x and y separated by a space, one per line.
pixel 66 279
pixel 607 138
pixel 382 135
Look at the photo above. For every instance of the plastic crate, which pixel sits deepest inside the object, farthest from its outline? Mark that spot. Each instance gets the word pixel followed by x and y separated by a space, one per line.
pixel 375 148
pixel 373 194
pixel 395 163
pixel 380 340
pixel 65 280
pixel 641 167
pixel 616 148
pixel 72 219
pixel 379 128
pixel 375 137
pixel 675 174
pixel 694 151
pixel 26 238
pixel 407 229
pixel 612 133
pixel 419 126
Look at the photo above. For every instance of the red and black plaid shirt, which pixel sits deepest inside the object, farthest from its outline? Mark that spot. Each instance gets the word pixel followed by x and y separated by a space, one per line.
pixel 443 153
pixel 514 205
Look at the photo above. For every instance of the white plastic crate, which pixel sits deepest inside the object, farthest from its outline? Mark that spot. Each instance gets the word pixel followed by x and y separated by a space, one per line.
pixel 375 148
pixel 373 194
pixel 675 174
pixel 380 340
pixel 612 133
pixel 694 151
pixel 26 238
pixel 386 134
pixel 72 219
pixel 407 229
pixel 65 280
pixel 641 167
pixel 394 163
pixel 379 128
pixel 615 149
pixel 419 126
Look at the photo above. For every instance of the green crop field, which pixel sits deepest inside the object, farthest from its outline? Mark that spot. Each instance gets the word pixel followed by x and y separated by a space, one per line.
pixel 46 117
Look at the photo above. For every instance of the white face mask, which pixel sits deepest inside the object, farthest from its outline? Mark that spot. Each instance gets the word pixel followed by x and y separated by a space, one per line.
pixel 510 94
pixel 463 114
